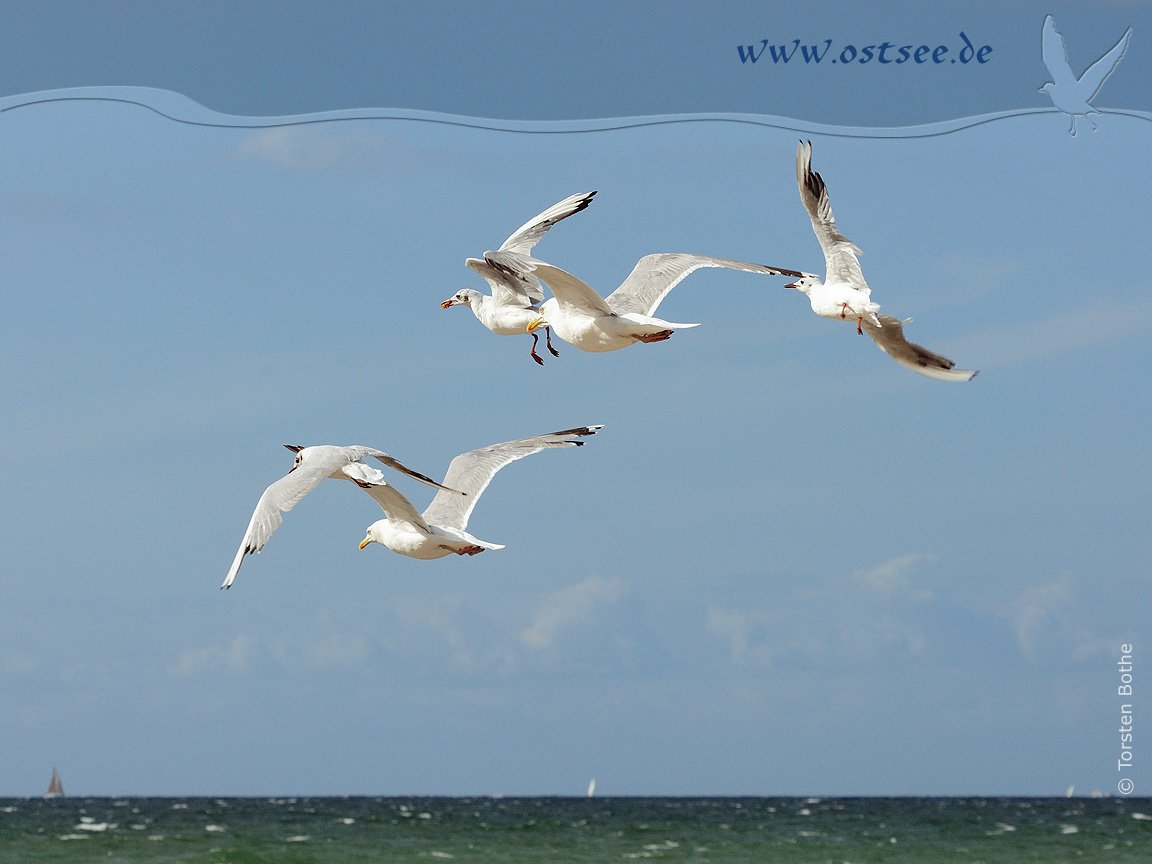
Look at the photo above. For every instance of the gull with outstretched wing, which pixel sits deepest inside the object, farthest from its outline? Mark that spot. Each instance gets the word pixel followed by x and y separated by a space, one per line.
pixel 311 466
pixel 440 529
pixel 516 297
pixel 843 294
pixel 581 317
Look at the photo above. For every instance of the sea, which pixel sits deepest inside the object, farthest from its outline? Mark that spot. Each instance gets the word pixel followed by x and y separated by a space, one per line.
pixel 493 829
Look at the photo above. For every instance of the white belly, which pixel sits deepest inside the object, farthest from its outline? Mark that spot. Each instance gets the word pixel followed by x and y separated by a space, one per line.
pixel 841 300
pixel 508 321
pixel 411 541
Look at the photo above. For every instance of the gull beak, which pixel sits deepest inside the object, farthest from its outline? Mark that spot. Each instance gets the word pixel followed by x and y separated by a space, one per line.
pixel 791 285
pixel 365 542
pixel 535 322
pixel 450 302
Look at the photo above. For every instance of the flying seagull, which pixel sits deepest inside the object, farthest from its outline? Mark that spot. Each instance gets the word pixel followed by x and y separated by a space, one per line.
pixel 311 466
pixel 1070 94
pixel 583 318
pixel 439 531
pixel 516 297
pixel 844 294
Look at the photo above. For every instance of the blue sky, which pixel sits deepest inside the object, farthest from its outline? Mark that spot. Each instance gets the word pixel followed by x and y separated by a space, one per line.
pixel 787 565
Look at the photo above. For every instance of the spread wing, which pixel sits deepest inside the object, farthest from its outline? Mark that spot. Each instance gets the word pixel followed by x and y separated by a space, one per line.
pixel 1056 55
pixel 395 506
pixel 569 290
pixel 1095 75
pixel 529 234
pixel 282 496
pixel 839 252
pixel 509 289
pixel 655 275
pixel 472 472
pixel 395 464
pixel 890 337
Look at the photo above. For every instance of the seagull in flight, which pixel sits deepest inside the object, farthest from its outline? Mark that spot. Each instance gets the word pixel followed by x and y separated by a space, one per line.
pixel 843 294
pixel 516 297
pixel 440 529
pixel 584 319
pixel 311 466
pixel 1070 94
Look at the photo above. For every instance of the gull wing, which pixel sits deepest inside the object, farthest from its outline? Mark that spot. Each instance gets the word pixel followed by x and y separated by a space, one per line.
pixel 1095 75
pixel 283 495
pixel 569 290
pixel 509 289
pixel 395 464
pixel 890 337
pixel 395 506
pixel 839 252
pixel 473 471
pixel 1056 55
pixel 529 234
pixel 655 275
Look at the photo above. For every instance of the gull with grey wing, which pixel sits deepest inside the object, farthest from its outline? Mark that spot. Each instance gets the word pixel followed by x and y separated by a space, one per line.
pixel 516 296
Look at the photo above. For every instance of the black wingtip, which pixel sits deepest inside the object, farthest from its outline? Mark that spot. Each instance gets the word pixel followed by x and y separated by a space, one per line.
pixel 581 430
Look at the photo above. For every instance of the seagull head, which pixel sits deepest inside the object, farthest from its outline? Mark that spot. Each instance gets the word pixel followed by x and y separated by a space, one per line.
pixel 460 298
pixel 299 451
pixel 374 535
pixel 805 283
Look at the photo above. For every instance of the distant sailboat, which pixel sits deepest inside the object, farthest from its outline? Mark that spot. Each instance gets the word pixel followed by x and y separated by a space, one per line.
pixel 1068 792
pixel 592 787
pixel 55 788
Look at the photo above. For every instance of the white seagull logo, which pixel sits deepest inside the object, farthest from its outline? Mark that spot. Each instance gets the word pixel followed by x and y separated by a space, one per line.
pixel 1070 94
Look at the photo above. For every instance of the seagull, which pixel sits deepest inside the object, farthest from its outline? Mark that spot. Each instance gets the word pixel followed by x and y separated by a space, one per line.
pixel 590 322
pixel 844 294
pixel 312 465
pixel 516 297
pixel 1070 94
pixel 439 531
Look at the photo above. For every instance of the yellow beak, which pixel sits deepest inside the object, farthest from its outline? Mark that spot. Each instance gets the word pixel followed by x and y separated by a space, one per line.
pixel 365 542
pixel 534 323
pixel 447 304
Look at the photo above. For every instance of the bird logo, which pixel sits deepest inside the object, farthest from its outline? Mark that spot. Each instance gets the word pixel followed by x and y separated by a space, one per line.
pixel 1070 94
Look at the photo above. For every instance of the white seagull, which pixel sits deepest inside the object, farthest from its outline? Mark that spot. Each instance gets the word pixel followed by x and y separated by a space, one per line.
pixel 844 294
pixel 583 318
pixel 516 297
pixel 1070 94
pixel 311 466
pixel 439 531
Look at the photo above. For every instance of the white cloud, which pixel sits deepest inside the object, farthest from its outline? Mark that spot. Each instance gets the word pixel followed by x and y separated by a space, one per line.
pixel 338 649
pixel 849 619
pixel 893 575
pixel 235 657
pixel 1049 624
pixel 1072 330
pixel 568 607
pixel 245 651
pixel 328 147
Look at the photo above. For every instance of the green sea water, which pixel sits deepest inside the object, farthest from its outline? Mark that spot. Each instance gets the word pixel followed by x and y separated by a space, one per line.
pixel 427 830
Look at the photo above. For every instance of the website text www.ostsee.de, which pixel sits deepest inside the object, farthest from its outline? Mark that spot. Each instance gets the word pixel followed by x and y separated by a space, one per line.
pixel 885 53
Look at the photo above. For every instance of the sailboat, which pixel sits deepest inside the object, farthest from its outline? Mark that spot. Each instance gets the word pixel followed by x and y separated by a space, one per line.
pixel 55 788
pixel 592 787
